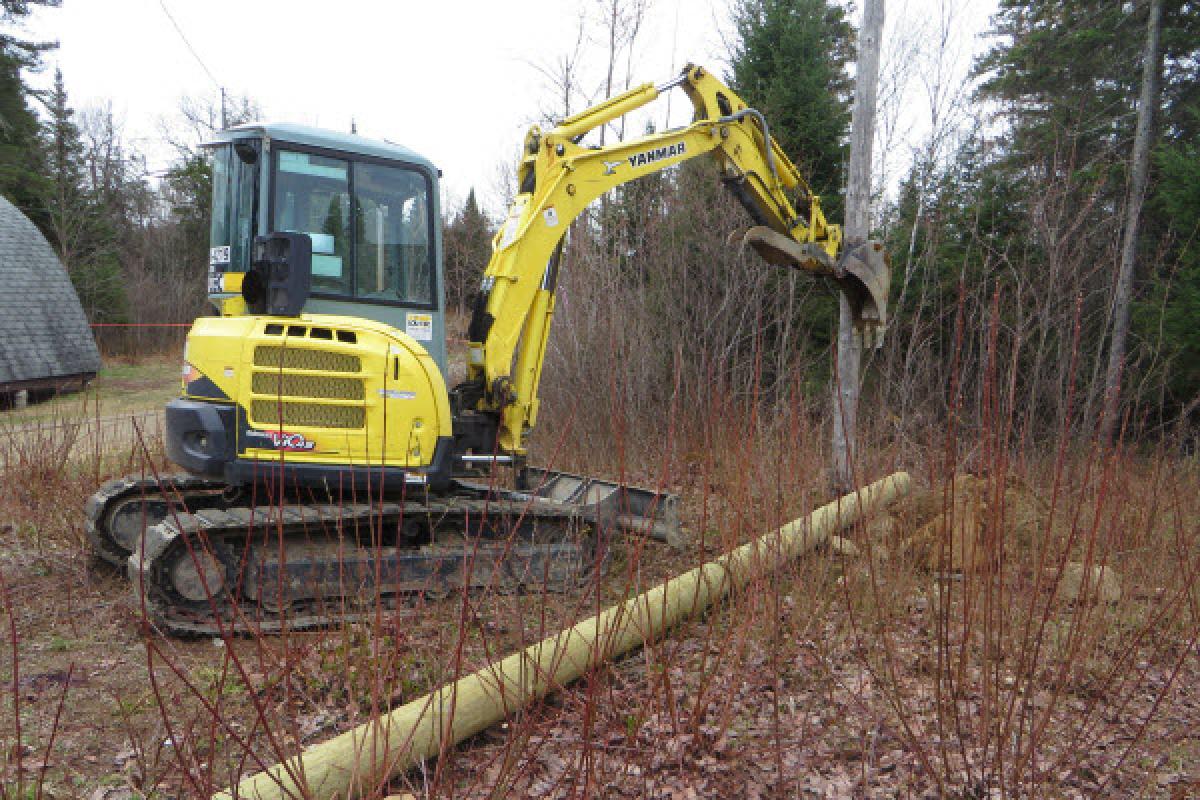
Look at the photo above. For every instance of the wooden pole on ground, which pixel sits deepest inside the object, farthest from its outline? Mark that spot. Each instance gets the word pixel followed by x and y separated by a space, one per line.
pixel 846 377
pixel 363 759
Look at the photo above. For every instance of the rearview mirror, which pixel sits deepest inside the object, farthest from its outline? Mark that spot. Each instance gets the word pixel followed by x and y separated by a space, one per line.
pixel 280 274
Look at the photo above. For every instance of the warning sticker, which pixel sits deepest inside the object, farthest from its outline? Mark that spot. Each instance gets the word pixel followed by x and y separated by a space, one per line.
pixel 508 233
pixel 419 326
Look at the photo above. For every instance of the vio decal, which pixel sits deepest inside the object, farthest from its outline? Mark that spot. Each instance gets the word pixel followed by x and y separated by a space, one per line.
pixel 280 440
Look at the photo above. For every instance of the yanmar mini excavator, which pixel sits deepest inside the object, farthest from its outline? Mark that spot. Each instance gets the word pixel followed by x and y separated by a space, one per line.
pixel 325 458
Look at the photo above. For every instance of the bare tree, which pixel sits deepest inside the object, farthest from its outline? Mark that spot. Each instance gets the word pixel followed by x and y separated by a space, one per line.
pixel 1140 162
pixel 198 118
pixel 562 76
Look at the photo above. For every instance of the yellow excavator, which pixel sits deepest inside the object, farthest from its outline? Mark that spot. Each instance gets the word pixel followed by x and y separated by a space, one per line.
pixel 325 458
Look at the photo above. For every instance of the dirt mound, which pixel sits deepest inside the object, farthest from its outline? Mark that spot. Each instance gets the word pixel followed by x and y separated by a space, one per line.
pixel 960 525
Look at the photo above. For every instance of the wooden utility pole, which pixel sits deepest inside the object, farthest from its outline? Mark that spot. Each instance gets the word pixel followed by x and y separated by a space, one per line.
pixel 1140 169
pixel 857 228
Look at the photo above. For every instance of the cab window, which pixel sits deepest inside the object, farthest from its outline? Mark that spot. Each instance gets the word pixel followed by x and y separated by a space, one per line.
pixel 312 195
pixel 392 252
pixel 369 224
pixel 235 188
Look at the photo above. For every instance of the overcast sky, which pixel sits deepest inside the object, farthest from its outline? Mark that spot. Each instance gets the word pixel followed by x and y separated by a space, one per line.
pixel 456 81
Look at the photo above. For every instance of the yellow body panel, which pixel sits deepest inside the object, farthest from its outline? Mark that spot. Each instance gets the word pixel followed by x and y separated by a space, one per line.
pixel 323 389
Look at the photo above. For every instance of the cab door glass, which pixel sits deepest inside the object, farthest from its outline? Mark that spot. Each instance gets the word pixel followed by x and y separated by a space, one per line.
pixel 312 195
pixel 235 189
pixel 392 250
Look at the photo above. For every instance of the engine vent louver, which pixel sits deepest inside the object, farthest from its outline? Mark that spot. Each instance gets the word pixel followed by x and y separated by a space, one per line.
pixel 290 384
pixel 308 415
pixel 286 392
pixel 300 358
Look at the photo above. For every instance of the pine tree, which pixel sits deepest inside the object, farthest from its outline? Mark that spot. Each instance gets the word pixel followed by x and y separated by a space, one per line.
pixel 20 153
pixel 1171 307
pixel 77 221
pixel 1037 210
pixel 1066 76
pixel 65 197
pixel 1061 72
pixel 789 61
pixel 467 245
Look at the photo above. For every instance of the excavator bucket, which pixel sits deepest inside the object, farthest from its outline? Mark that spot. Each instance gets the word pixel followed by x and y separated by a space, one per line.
pixel 862 272
pixel 866 277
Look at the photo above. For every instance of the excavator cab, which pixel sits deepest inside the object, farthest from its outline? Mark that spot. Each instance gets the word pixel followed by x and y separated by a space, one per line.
pixel 342 383
pixel 369 208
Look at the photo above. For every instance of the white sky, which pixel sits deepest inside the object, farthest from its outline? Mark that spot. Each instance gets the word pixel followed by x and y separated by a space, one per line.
pixel 455 81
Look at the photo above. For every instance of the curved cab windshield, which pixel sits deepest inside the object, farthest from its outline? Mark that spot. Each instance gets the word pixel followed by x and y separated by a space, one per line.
pixel 369 224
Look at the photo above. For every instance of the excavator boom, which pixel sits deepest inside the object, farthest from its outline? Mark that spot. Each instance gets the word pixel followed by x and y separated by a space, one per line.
pixel 558 177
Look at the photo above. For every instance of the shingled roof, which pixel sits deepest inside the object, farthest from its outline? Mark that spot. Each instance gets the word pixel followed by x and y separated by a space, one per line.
pixel 44 334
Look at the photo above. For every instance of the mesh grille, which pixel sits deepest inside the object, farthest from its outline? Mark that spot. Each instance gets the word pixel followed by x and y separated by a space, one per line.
pixel 310 415
pixel 293 385
pixel 297 358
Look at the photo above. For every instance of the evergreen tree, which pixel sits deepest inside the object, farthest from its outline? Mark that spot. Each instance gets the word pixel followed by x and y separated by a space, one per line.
pixel 65 200
pixel 1171 307
pixel 20 152
pixel 189 185
pixel 78 223
pixel 1066 76
pixel 789 61
pixel 467 247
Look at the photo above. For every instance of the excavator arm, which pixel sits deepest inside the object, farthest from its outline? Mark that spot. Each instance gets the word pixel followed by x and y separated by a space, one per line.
pixel 558 178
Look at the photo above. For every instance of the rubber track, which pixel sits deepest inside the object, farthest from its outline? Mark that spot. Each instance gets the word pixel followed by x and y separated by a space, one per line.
pixel 168 487
pixel 148 567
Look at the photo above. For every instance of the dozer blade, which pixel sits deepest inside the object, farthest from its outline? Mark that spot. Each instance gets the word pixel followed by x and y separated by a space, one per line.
pixel 632 508
pixel 862 272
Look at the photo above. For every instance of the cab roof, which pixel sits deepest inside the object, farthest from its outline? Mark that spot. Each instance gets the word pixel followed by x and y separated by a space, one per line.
pixel 320 137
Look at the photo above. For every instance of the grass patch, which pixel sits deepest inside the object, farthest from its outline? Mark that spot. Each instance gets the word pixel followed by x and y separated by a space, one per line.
pixel 121 387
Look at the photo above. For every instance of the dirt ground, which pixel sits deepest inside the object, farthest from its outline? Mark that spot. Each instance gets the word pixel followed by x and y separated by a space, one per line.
pixel 715 710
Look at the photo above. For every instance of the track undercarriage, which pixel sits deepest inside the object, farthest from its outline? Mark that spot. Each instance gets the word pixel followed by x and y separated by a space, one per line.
pixel 204 561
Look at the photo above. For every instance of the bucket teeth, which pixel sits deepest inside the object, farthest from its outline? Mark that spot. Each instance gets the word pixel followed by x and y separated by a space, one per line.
pixel 866 276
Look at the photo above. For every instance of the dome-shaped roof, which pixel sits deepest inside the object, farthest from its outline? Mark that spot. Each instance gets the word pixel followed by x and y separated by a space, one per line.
pixel 44 333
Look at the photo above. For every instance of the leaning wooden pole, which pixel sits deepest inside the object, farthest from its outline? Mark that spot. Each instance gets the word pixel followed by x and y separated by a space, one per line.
pixel 363 759
pixel 848 365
